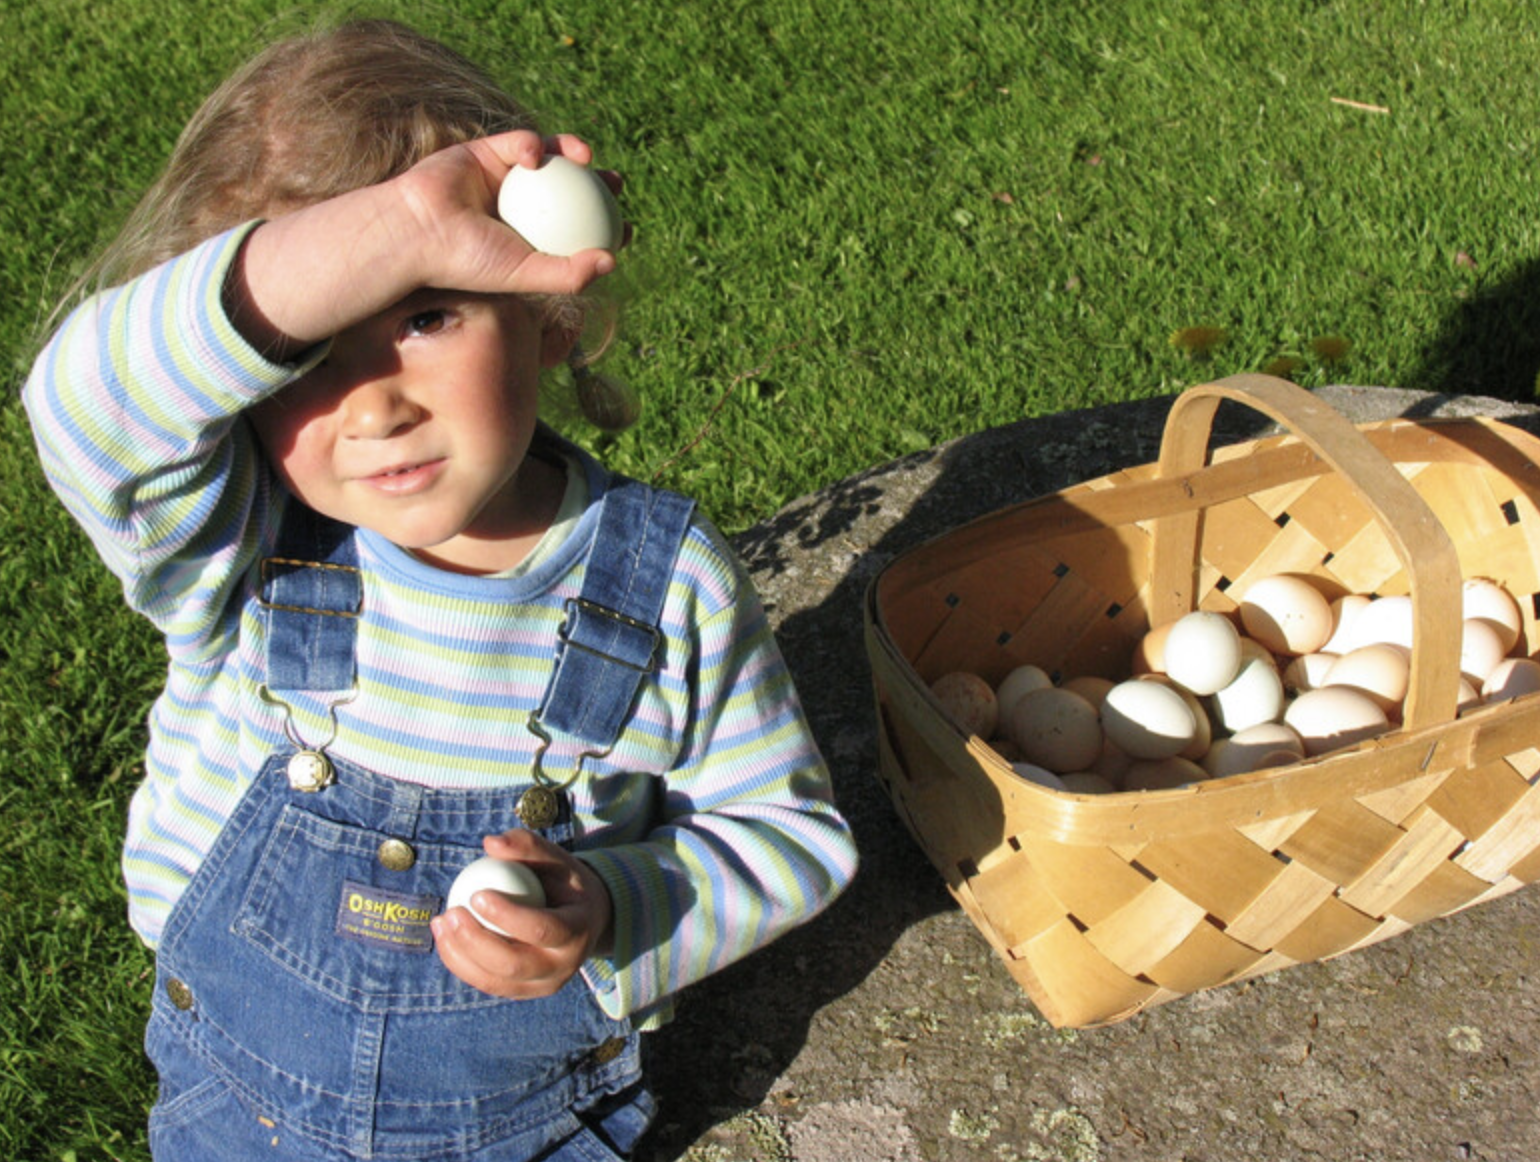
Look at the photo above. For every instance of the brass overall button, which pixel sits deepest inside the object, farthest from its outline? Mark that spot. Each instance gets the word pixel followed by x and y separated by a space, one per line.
pixel 397 854
pixel 181 996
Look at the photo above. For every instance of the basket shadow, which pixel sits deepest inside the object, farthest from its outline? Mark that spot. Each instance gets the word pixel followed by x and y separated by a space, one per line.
pixel 1490 345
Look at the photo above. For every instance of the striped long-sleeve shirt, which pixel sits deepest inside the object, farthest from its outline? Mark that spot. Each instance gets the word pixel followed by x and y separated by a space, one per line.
pixel 711 821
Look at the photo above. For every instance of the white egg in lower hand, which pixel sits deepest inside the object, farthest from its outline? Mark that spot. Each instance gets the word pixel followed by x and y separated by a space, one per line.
pixel 561 208
pixel 513 880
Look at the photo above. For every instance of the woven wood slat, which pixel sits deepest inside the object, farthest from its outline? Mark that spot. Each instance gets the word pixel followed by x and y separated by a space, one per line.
pixel 1101 906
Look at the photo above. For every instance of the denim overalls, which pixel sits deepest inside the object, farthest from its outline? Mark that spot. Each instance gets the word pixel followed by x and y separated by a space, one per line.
pixel 299 1010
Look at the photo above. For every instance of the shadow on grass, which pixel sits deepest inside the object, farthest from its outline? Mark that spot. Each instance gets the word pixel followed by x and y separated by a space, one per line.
pixel 1490 345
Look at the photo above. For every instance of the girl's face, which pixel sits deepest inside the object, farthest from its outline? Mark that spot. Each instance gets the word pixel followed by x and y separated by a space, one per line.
pixel 417 426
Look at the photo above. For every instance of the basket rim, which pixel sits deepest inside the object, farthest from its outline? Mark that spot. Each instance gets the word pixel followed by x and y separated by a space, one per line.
pixel 1371 766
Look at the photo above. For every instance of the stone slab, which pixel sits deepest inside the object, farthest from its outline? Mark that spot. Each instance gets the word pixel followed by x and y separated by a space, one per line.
pixel 886 1030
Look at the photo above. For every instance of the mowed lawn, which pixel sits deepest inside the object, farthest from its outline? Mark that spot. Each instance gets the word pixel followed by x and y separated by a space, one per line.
pixel 860 230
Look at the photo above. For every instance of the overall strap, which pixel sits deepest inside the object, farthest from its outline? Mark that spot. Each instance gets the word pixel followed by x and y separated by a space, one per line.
pixel 609 642
pixel 312 593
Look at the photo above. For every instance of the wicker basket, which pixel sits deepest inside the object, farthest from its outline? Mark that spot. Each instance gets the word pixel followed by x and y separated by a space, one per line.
pixel 1102 906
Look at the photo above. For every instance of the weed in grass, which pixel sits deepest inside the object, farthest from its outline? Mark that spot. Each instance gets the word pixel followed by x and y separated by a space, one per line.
pixel 1331 349
pixel 1198 342
pixel 1283 366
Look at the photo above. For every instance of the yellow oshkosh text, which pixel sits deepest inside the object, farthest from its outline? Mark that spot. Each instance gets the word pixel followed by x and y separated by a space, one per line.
pixel 390 911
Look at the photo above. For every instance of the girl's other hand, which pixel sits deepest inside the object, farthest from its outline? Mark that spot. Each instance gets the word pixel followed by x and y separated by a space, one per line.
pixel 544 946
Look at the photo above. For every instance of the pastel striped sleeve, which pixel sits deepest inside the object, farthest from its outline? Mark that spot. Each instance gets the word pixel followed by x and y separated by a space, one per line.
pixel 750 845
pixel 133 406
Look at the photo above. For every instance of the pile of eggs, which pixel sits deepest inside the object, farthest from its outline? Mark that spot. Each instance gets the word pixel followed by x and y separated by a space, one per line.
pixel 1299 676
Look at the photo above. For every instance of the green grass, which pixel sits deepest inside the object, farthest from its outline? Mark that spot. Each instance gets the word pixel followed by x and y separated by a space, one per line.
pixel 861 229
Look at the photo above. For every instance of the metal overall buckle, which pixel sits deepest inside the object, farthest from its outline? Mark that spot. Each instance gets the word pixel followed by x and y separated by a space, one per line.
pixel 309 769
pixel 540 806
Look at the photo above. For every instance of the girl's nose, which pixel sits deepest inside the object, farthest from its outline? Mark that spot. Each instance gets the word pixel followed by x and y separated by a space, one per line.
pixel 377 408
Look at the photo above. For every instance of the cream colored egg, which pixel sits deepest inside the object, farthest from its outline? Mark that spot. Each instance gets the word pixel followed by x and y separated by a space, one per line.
pixel 1380 671
pixel 1112 762
pixel 1271 736
pixel 1203 733
pixel 1334 716
pixel 1344 611
pixel 513 880
pixel 1481 648
pixel 1469 697
pixel 1253 749
pixel 1032 773
pixel 1287 614
pixel 1021 680
pixel 1055 728
pixel 1385 620
pixel 1163 774
pixel 1511 678
pixel 1225 759
pixel 1147 720
pixel 1150 653
pixel 1255 696
pixel 1251 648
pixel 1092 689
pixel 1087 783
pixel 1203 651
pixel 968 701
pixel 1307 672
pixel 1486 600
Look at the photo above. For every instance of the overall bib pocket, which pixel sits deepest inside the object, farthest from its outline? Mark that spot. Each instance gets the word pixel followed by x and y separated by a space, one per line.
pixel 345 909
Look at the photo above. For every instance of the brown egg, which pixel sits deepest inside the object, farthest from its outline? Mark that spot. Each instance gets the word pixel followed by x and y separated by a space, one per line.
pixel 968 701
pixel 1486 600
pixel 1056 728
pixel 1380 671
pixel 1334 716
pixel 1021 680
pixel 1287 614
pixel 1150 653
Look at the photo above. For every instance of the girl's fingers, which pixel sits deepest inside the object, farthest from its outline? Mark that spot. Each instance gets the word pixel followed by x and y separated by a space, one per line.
pixel 547 274
pixel 570 147
pixel 527 148
pixel 488 962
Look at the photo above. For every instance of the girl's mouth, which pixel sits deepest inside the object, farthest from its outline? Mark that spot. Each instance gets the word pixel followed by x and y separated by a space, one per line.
pixel 407 478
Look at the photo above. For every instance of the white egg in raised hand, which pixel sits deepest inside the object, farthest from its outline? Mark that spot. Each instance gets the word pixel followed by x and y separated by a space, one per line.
pixel 561 208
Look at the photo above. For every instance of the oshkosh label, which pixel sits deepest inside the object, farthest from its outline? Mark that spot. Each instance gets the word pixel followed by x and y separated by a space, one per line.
pixel 389 919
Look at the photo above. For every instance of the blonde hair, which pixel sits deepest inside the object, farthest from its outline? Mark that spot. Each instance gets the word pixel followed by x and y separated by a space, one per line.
pixel 311 117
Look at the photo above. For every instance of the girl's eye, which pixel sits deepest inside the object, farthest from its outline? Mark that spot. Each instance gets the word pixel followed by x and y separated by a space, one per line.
pixel 426 323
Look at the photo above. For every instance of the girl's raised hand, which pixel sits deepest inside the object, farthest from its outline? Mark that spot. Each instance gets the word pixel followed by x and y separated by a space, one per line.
pixel 545 946
pixel 311 273
pixel 454 194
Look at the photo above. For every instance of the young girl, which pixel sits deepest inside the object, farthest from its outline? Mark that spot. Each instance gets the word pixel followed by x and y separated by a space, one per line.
pixel 408 625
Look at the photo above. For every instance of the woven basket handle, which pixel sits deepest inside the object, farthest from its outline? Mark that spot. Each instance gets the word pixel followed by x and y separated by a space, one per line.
pixel 1419 540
